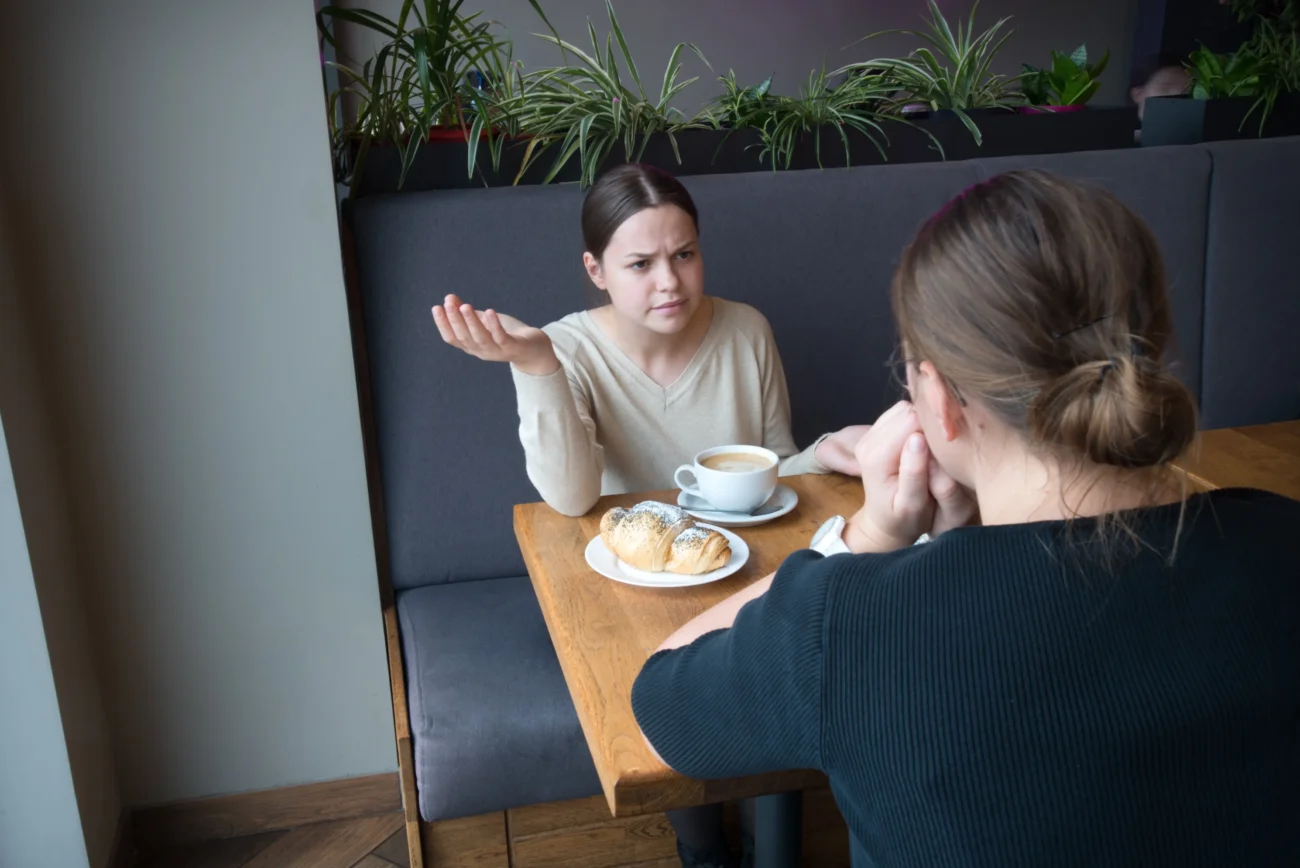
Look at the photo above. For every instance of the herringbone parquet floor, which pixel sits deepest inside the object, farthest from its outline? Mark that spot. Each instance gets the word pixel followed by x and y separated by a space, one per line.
pixel 369 842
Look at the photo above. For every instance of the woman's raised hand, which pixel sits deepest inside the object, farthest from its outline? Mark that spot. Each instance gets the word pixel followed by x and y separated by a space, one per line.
pixel 495 337
pixel 907 492
pixel 838 451
pixel 895 462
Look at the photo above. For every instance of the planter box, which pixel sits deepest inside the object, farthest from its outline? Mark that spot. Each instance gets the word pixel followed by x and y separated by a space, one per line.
pixel 441 164
pixel 1005 134
pixel 1012 133
pixel 1181 120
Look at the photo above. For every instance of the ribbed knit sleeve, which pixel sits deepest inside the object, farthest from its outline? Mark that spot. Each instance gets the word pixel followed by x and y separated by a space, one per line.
pixel 745 700
pixel 1023 694
pixel 563 458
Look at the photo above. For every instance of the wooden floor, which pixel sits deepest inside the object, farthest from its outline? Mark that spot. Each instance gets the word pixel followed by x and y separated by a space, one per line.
pixel 369 842
pixel 578 834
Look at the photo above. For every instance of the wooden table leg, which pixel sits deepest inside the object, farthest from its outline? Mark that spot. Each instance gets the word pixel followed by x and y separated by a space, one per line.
pixel 778 830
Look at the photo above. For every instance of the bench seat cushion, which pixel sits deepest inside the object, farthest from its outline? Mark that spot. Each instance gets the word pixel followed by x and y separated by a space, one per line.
pixel 492 723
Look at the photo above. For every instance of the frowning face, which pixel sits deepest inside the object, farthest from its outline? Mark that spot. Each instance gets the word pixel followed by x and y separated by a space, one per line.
pixel 652 269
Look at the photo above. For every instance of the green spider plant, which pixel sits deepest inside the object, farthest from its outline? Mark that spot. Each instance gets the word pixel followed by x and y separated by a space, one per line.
pixel 740 107
pixel 420 79
pixel 854 105
pixel 1285 13
pixel 587 108
pixel 952 72
pixel 1276 52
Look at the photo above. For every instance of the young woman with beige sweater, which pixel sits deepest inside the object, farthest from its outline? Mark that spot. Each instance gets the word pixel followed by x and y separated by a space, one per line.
pixel 613 400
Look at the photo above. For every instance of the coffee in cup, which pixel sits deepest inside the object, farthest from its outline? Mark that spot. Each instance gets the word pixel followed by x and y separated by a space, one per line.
pixel 736 462
pixel 732 478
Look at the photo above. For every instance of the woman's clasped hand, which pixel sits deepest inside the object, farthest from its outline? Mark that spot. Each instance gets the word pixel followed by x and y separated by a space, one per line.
pixel 907 493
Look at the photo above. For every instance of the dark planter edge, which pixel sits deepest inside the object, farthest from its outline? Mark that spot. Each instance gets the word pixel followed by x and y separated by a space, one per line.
pixel 441 165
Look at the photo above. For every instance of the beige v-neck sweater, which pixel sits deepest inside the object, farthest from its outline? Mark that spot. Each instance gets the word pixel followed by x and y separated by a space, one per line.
pixel 600 425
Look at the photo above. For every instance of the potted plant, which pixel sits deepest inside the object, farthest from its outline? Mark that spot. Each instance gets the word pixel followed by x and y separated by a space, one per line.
pixel 586 110
pixel 951 74
pixel 829 126
pixel 1285 13
pixel 1276 47
pixel 1249 93
pixel 739 113
pixel 1066 85
pixel 948 87
pixel 439 81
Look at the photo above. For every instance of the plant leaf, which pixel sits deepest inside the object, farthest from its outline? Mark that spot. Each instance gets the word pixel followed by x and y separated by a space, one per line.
pixel 1063 68
pixel 970 125
pixel 369 20
pixel 1100 66
pixel 622 44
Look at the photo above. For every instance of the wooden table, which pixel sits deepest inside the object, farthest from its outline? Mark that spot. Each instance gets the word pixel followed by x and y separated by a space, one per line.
pixel 603 632
pixel 1260 456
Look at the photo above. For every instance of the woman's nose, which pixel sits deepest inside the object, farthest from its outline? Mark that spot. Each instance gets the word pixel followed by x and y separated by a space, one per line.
pixel 666 278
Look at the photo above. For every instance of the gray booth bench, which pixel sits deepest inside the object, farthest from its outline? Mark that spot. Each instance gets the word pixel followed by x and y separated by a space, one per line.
pixel 491 720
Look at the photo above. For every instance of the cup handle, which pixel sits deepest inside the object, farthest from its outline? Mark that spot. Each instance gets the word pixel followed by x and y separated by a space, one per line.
pixel 689 489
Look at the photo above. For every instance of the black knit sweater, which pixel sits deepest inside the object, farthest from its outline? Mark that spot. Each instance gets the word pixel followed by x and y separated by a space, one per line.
pixel 1018 695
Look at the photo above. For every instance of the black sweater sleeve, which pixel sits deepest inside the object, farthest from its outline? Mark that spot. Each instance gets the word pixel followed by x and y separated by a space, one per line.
pixel 745 700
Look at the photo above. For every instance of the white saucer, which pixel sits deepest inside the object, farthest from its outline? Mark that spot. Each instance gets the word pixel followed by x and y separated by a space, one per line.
pixel 603 561
pixel 780 503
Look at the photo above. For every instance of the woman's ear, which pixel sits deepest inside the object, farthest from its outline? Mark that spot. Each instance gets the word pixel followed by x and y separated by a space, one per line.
pixel 594 271
pixel 942 401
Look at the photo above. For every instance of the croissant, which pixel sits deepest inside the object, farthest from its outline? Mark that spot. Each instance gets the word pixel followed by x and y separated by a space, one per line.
pixel 660 538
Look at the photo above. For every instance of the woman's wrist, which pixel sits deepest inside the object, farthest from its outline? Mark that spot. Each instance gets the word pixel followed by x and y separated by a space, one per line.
pixel 863 537
pixel 543 363
pixel 818 445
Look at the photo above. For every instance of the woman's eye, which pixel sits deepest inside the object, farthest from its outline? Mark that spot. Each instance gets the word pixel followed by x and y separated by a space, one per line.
pixel 685 254
pixel 639 265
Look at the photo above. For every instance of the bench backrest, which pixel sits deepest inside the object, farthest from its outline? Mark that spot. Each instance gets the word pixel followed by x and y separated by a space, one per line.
pixel 813 250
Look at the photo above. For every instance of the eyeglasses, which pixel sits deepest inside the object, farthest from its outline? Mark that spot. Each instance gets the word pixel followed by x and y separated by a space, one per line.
pixel 898 365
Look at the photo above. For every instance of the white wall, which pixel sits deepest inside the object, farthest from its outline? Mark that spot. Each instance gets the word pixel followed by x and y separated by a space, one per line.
pixel 40 489
pixel 172 192
pixel 758 38
pixel 39 823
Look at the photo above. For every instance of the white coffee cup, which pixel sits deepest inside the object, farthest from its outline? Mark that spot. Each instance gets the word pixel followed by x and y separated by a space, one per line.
pixel 732 478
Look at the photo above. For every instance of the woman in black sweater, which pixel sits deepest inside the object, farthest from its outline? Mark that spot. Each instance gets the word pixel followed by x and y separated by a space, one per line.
pixel 1103 670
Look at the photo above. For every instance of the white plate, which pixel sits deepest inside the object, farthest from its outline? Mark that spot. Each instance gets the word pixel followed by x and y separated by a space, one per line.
pixel 603 561
pixel 780 503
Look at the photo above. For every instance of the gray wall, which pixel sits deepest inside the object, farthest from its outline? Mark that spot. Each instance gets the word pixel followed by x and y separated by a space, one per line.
pixel 38 806
pixel 762 37
pixel 38 484
pixel 174 205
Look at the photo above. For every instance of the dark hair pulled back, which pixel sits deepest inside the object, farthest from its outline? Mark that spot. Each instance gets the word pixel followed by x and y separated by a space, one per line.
pixel 1046 298
pixel 624 191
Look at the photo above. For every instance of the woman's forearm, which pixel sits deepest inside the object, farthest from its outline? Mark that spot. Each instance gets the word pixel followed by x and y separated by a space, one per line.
pixel 720 617
pixel 562 458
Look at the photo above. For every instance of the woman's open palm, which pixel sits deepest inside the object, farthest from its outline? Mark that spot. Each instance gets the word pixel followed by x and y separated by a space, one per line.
pixel 494 337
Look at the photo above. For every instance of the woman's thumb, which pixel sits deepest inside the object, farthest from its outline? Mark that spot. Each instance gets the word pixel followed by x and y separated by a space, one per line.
pixel 913 474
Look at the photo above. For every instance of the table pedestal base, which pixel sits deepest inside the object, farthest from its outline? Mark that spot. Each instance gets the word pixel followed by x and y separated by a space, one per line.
pixel 778 830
